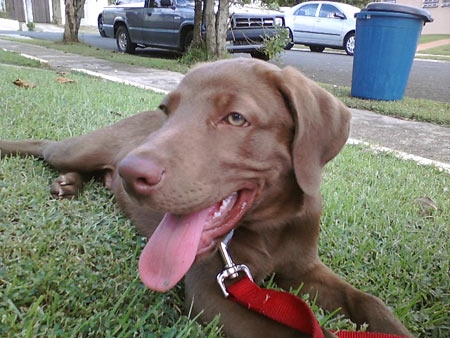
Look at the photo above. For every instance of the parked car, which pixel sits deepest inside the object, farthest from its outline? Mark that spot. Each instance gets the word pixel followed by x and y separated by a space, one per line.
pixel 169 24
pixel 321 24
pixel 118 3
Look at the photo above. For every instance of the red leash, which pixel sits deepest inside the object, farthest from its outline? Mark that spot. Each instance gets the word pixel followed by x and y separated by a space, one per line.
pixel 287 309
pixel 283 307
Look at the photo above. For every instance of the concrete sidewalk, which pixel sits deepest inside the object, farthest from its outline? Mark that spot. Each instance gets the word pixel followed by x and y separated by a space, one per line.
pixel 422 142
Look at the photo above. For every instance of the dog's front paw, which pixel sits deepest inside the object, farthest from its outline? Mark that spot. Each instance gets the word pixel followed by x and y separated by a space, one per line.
pixel 67 185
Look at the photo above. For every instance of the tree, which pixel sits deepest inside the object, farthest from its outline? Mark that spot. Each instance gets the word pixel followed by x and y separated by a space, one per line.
pixel 215 23
pixel 222 15
pixel 197 40
pixel 74 10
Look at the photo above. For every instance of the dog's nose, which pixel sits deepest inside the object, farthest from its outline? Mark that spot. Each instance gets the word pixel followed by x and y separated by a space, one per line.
pixel 140 175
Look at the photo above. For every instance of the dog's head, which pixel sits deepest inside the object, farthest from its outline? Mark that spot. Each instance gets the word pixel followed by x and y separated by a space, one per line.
pixel 243 140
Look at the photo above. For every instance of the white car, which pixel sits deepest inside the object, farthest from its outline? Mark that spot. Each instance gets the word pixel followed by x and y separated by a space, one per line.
pixel 320 24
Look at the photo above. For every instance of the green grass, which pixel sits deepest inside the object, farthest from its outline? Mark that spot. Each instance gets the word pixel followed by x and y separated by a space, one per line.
pixel 407 108
pixel 16 59
pixel 440 50
pixel 433 37
pixel 69 268
pixel 87 50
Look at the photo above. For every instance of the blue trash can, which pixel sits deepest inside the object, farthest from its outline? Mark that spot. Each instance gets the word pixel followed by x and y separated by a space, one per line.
pixel 385 44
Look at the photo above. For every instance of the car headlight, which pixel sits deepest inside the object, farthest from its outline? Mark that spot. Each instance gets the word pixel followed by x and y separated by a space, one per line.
pixel 278 22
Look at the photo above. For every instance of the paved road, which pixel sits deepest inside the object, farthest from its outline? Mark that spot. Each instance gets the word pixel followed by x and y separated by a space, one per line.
pixel 428 79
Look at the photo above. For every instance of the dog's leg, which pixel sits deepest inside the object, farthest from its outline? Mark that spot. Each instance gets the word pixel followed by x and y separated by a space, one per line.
pixel 333 293
pixel 23 148
pixel 204 296
pixel 95 152
pixel 103 148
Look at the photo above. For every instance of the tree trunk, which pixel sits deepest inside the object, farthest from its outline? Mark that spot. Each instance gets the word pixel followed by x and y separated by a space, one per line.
pixel 74 12
pixel 210 18
pixel 198 20
pixel 221 28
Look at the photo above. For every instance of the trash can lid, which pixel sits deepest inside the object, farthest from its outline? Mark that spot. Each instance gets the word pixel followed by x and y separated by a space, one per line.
pixel 389 7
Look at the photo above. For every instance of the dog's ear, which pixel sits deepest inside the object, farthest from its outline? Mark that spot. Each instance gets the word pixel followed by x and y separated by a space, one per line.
pixel 322 124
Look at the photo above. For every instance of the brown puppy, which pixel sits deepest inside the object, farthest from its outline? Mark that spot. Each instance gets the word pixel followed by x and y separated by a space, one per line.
pixel 240 144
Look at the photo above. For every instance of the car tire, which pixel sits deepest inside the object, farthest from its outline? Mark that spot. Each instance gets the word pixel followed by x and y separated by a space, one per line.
pixel 187 41
pixel 257 54
pixel 317 49
pixel 349 44
pixel 290 43
pixel 100 26
pixel 124 43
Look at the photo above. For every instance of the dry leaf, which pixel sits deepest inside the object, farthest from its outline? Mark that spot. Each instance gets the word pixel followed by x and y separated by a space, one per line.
pixel 64 80
pixel 21 83
pixel 427 204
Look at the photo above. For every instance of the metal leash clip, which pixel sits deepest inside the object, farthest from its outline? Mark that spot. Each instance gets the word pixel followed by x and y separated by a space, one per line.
pixel 231 270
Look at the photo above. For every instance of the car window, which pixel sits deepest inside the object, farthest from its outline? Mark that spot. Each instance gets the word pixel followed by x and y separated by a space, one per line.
pixel 327 11
pixel 307 10
pixel 155 4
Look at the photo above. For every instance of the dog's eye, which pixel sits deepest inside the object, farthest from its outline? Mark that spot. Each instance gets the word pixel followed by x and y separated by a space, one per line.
pixel 163 108
pixel 237 120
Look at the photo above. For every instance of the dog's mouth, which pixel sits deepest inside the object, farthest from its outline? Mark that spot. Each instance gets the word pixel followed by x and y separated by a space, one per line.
pixel 179 239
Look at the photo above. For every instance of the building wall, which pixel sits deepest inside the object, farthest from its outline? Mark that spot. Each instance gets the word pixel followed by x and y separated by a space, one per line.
pixel 92 9
pixel 440 12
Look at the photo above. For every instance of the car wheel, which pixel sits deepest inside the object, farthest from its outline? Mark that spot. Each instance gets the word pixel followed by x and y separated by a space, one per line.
pixel 349 44
pixel 290 43
pixel 124 43
pixel 100 26
pixel 316 49
pixel 188 40
pixel 257 54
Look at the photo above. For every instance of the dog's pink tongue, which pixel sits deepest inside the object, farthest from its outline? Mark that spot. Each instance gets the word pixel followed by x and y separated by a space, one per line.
pixel 171 250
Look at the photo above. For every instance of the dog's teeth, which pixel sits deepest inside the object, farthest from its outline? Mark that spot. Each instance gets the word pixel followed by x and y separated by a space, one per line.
pixel 227 201
pixel 224 205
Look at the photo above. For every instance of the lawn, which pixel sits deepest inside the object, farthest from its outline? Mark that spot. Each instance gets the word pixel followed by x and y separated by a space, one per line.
pixel 69 268
pixel 172 64
pixel 408 108
pixel 425 38
pixel 16 59
pixel 440 50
